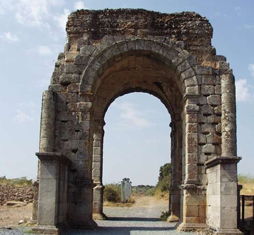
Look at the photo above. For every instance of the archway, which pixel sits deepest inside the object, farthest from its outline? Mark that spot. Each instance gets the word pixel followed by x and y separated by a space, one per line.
pixel 137 71
pixel 168 56
pixel 137 137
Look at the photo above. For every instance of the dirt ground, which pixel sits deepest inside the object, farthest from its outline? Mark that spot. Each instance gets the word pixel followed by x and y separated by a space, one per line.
pixel 11 215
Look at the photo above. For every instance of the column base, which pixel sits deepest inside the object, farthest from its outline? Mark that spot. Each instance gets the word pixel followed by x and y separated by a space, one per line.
pixel 44 229
pixel 189 227
pixel 99 216
pixel 173 218
pixel 228 231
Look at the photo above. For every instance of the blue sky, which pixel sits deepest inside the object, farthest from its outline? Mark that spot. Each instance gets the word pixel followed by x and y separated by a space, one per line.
pixel 137 132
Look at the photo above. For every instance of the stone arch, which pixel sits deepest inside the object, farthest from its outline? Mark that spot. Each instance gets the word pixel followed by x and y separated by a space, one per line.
pixel 166 51
pixel 181 67
pixel 177 50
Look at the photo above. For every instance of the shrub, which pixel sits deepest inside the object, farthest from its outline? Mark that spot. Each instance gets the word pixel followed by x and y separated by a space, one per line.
pixel 150 192
pixel 163 185
pixel 164 215
pixel 112 193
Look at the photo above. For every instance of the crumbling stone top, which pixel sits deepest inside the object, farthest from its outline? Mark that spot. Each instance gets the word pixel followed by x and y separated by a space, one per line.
pixel 189 27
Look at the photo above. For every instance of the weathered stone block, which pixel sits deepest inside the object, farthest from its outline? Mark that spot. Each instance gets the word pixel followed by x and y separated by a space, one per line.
pixel 191 81
pixel 208 149
pixel 207 128
pixel 191 108
pixel 213 138
pixel 192 90
pixel 191 158
pixel 192 127
pixel 191 143
pixel 191 118
pixel 207 89
pixel 207 110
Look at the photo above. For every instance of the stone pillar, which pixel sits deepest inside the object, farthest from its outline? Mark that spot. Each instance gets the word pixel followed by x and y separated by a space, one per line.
pixel 46 136
pixel 52 201
pixel 176 174
pixel 47 122
pixel 97 170
pixel 125 189
pixel 222 170
pixel 193 198
pixel 228 119
pixel 222 194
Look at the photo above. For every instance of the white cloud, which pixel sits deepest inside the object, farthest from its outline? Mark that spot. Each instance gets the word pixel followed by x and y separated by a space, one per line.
pixel 132 116
pixel 30 12
pixel 8 37
pixel 22 117
pixel 44 50
pixel 243 91
pixel 79 5
pixel 251 69
pixel 61 19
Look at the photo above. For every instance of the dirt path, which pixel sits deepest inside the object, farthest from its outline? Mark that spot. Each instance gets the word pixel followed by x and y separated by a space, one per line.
pixel 149 202
pixel 140 219
pixel 11 215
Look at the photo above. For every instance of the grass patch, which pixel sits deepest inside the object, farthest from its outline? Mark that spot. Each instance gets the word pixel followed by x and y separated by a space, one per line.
pixel 247 182
pixel 19 182
pixel 143 190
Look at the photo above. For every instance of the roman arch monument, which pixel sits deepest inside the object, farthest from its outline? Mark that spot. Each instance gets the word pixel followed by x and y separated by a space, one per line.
pixel 110 53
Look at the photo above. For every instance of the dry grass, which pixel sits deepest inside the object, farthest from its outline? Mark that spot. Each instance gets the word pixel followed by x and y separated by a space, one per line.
pixel 129 203
pixel 248 184
pixel 162 195
pixel 18 182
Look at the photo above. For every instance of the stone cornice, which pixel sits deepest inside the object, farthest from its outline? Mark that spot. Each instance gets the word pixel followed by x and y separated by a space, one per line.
pixel 53 156
pixel 221 160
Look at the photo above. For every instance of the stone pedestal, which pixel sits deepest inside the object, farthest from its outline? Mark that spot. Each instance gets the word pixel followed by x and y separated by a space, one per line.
pixel 222 194
pixel 52 198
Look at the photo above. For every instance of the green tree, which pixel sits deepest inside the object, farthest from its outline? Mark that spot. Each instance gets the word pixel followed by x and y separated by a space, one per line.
pixel 164 178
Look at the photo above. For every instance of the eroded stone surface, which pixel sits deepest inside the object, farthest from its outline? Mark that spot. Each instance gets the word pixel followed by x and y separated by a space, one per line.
pixel 114 52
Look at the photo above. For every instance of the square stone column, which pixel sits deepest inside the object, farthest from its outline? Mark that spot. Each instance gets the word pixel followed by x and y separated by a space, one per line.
pixel 52 198
pixel 222 194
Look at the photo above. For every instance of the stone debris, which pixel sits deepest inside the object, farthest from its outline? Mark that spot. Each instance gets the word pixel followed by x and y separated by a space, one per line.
pixel 13 195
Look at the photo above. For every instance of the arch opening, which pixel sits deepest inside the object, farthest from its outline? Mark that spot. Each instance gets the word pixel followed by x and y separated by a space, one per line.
pixel 137 74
